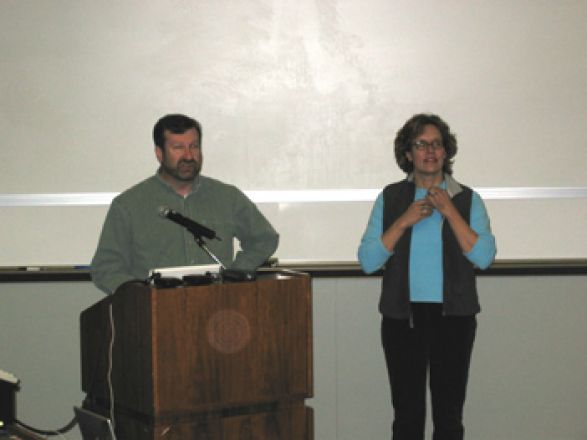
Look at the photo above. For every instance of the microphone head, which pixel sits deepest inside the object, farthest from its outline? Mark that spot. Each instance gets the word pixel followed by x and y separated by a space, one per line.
pixel 164 211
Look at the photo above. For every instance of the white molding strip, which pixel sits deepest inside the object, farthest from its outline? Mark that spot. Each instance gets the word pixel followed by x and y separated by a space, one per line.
pixel 533 193
pixel 292 196
pixel 64 199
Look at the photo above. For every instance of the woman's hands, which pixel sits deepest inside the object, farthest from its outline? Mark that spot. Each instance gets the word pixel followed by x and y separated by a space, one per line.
pixel 437 198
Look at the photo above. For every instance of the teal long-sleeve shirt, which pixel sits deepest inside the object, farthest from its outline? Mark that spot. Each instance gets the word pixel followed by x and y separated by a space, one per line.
pixel 425 276
pixel 136 239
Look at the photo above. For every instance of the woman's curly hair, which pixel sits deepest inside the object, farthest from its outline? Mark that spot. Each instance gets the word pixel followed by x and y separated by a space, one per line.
pixel 413 128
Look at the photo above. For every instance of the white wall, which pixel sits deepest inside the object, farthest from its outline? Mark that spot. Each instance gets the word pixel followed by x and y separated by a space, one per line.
pixel 527 378
pixel 303 95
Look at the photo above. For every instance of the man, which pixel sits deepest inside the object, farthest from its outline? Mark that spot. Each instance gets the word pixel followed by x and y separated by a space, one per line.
pixel 135 238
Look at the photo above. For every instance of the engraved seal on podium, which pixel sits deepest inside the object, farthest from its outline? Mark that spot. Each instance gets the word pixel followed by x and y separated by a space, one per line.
pixel 228 331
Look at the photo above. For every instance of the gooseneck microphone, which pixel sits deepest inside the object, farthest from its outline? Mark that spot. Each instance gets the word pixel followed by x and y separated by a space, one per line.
pixel 191 225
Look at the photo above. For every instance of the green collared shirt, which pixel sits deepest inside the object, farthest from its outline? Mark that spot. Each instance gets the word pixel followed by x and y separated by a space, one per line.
pixel 136 239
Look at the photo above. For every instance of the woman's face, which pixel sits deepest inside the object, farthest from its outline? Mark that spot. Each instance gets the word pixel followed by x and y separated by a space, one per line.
pixel 427 153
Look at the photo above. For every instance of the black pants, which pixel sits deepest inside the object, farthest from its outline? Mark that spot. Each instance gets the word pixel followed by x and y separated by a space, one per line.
pixel 441 345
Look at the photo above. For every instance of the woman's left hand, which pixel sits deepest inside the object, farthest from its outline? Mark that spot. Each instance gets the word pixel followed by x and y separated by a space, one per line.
pixel 440 199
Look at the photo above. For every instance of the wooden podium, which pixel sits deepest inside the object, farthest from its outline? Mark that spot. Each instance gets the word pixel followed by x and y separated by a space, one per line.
pixel 222 361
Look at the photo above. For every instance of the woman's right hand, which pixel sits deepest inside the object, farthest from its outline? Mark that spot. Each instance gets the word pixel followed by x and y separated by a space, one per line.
pixel 418 210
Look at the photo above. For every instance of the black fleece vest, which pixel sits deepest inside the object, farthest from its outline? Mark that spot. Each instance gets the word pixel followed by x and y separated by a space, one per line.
pixel 459 290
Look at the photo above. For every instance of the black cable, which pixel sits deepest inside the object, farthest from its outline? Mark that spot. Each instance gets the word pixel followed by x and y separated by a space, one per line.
pixel 63 430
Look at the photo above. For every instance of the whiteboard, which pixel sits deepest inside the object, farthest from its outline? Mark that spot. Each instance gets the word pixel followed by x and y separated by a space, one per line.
pixel 302 96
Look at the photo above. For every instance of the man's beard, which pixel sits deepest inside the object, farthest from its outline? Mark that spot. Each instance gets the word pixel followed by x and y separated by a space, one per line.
pixel 178 175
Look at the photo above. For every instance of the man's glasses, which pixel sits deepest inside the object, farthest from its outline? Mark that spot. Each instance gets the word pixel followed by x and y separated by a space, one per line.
pixel 423 145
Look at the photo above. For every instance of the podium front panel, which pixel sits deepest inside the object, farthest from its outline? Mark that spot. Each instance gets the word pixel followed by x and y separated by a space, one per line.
pixel 187 350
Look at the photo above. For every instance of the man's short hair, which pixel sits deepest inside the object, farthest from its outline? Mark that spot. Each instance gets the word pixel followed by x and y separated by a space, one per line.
pixel 175 123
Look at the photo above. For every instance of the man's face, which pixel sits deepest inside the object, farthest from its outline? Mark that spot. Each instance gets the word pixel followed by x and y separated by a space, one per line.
pixel 181 157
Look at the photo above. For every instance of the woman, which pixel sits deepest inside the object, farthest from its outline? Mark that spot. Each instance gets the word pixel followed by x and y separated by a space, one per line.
pixel 427 233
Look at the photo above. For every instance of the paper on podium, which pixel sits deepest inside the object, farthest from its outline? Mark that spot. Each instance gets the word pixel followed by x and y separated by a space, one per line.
pixel 5 376
pixel 181 271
